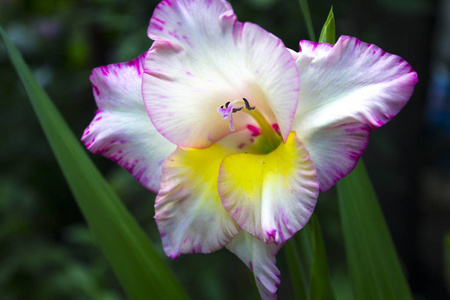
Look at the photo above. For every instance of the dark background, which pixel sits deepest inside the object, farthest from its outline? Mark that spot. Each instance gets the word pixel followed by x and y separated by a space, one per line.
pixel 46 251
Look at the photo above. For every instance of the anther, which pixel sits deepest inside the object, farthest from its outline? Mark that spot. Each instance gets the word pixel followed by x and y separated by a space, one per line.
pixel 247 105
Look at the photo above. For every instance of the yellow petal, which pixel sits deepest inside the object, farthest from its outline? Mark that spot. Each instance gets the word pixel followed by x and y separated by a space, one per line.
pixel 188 211
pixel 271 196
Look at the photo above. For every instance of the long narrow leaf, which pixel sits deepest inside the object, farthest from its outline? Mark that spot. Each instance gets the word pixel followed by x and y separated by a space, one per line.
pixel 299 255
pixel 140 270
pixel 320 281
pixel 307 263
pixel 447 259
pixel 294 263
pixel 307 15
pixel 373 263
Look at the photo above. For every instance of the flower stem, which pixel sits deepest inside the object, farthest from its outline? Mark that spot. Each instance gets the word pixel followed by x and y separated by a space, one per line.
pixel 306 14
pixel 296 269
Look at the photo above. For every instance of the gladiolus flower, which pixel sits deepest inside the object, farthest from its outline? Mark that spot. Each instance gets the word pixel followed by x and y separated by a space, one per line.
pixel 236 133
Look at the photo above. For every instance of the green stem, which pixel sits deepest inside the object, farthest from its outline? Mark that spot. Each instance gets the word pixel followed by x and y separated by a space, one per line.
pixel 295 267
pixel 306 14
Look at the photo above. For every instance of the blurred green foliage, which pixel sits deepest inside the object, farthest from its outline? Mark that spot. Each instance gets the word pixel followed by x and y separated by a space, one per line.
pixel 34 265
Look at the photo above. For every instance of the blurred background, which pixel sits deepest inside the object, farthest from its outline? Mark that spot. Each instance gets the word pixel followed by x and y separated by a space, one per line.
pixel 46 250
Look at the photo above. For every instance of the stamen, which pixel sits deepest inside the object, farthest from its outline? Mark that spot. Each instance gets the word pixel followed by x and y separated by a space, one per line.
pixel 269 139
pixel 228 111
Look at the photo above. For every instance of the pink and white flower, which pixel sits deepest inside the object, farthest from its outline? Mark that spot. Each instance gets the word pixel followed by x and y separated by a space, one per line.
pixel 295 123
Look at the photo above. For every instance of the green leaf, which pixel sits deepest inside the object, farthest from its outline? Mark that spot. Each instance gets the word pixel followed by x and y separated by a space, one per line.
pixel 372 260
pixel 140 270
pixel 307 263
pixel 320 281
pixel 296 263
pixel 306 14
pixel 328 33
pixel 447 259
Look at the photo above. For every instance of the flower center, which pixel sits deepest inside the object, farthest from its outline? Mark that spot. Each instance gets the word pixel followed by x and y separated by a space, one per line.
pixel 269 139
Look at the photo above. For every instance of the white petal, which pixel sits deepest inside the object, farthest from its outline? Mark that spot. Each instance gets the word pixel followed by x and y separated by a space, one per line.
pixel 121 129
pixel 350 82
pixel 188 211
pixel 336 150
pixel 203 58
pixel 260 258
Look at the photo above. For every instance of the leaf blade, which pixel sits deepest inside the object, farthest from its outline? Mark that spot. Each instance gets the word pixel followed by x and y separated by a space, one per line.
pixel 304 7
pixel 447 259
pixel 294 263
pixel 320 280
pixel 373 263
pixel 140 270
